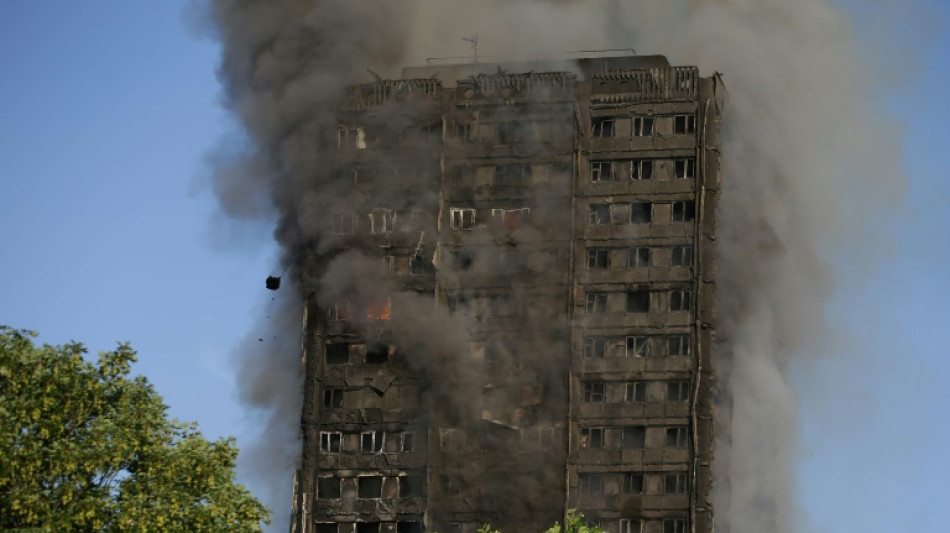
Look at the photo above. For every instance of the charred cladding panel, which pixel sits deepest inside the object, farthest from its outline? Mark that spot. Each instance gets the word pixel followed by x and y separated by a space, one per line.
pixel 561 224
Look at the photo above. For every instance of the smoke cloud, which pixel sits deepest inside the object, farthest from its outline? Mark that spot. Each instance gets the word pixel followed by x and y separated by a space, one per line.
pixel 808 166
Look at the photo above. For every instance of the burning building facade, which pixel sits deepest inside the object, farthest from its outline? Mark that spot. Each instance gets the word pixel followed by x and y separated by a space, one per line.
pixel 557 223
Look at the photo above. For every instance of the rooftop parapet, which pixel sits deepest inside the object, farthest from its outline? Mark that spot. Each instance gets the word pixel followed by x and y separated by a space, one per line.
pixel 672 83
pixel 501 86
pixel 364 96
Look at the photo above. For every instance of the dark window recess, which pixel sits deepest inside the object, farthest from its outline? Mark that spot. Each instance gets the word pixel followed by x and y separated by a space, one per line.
pixel 333 398
pixel 601 171
pixel 594 392
pixel 641 169
pixel 598 258
pixel 638 302
pixel 408 442
pixel 370 486
pixel 417 265
pixel 681 300
pixel 634 437
pixel 674 525
pixel 683 124
pixel 595 347
pixel 371 441
pixel 376 353
pixel 632 483
pixel 592 438
pixel 675 483
pixel 602 126
pixel 677 437
pixel 326 528
pixel 685 168
pixel 638 257
pixel 599 214
pixel 635 392
pixel 641 213
pixel 638 346
pixel 328 487
pixel 410 486
pixel 677 391
pixel 677 345
pixel 682 256
pixel 463 131
pixel 337 353
pixel 367 527
pixel 409 527
pixel 591 484
pixel 513 175
pixel 596 302
pixel 331 442
pixel 684 211
pixel 642 127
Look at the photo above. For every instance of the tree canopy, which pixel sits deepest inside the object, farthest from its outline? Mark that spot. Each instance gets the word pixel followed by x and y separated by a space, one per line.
pixel 87 447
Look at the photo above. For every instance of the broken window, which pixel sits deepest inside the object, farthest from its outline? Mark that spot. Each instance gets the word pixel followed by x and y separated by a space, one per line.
pixel 371 441
pixel 601 171
pixel 638 257
pixel 512 175
pixel 591 483
pixel 635 392
pixel 641 213
pixel 682 256
pixel 684 211
pixel 638 301
pixel 337 353
pixel 323 527
pixel 333 397
pixel 462 218
pixel 509 218
pixel 417 265
pixel 463 131
pixel 367 527
pixel 381 310
pixel 343 223
pixel 594 391
pixel 677 391
pixel 339 312
pixel 599 214
pixel 331 441
pixel 683 124
pixel 638 346
pixel 641 169
pixel 328 487
pixel 592 438
pixel 411 486
pixel 597 302
pixel 634 437
pixel 674 525
pixel 598 258
pixel 464 177
pixel 677 437
pixel 684 168
pixel 677 345
pixel 381 221
pixel 408 442
pixel 674 483
pixel 643 126
pixel 680 300
pixel 602 126
pixel 595 346
pixel 632 483
pixel 409 527
pixel 370 486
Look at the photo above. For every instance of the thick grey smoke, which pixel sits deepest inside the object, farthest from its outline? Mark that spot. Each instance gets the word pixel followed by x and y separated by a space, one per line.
pixel 808 165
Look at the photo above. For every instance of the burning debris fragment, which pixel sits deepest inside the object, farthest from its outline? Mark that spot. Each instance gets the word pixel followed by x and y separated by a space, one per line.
pixel 272 282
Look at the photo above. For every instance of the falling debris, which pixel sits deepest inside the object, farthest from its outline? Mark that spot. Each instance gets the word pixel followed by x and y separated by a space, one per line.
pixel 272 282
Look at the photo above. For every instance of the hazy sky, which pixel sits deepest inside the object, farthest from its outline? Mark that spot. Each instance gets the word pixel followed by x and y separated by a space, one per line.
pixel 108 109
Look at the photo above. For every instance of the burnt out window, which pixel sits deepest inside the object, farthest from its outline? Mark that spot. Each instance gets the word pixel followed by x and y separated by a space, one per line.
pixel 594 391
pixel 635 392
pixel 638 346
pixel 371 441
pixel 677 391
pixel 591 483
pixel 367 527
pixel 408 527
pixel 684 124
pixel 602 126
pixel 677 437
pixel 641 213
pixel 331 441
pixel 337 353
pixel 462 218
pixel 328 487
pixel 509 218
pixel 641 169
pixel 598 258
pixel 595 346
pixel 597 302
pixel 417 264
pixel 632 483
pixel 333 397
pixel 682 256
pixel 408 443
pixel 411 486
pixel 592 438
pixel 642 126
pixel 601 171
pixel 377 354
pixel 633 437
pixel 599 214
pixel 684 211
pixel 684 168
pixel 326 528
pixel 674 525
pixel 681 300
pixel 677 345
pixel 674 483
pixel 370 486
pixel 638 257
pixel 638 301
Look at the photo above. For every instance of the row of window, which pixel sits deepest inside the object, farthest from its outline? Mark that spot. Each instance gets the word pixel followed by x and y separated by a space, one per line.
pixel 456 439
pixel 515 131
pixel 642 126
pixel 380 221
pixel 631 483
pixel 631 438
pixel 509 175
pixel 370 527
pixel 348 137
pixel 370 487
pixel 601 214
pixel 641 301
pixel 463 218
pixel 639 525
pixel 637 257
pixel 634 391
pixel 641 169
pixel 367 441
pixel 637 346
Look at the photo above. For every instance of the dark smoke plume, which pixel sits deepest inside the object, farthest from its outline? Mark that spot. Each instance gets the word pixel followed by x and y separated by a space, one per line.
pixel 808 162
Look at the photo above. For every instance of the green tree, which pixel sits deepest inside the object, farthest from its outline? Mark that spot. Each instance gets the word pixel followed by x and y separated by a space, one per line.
pixel 86 447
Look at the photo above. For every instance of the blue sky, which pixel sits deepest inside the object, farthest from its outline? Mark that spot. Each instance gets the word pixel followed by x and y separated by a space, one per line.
pixel 108 110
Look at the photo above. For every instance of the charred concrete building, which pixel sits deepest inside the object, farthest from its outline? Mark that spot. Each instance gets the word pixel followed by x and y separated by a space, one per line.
pixel 563 217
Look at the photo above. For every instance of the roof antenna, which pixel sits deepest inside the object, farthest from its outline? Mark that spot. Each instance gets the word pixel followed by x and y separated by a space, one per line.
pixel 473 40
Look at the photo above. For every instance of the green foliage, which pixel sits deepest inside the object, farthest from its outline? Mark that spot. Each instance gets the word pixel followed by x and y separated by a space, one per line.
pixel 574 523
pixel 86 447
